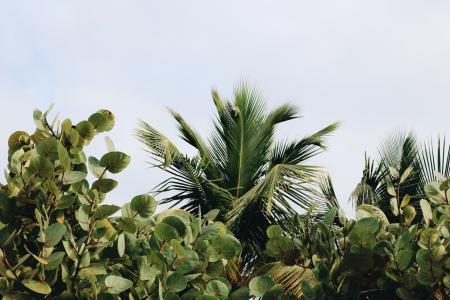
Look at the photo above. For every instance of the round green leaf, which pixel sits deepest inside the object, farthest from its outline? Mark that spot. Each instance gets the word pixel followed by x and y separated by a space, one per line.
pixel 116 284
pixel 115 161
pixel 274 231
pixel 227 245
pixel 165 232
pixel 103 120
pixel 241 294
pixel 260 285
pixel 42 165
pixel 48 147
pixel 176 282
pixel 86 131
pixel 217 288
pixel 188 262
pixel 176 223
pixel 144 205
pixel 104 185
pixel 127 224
pixel 276 246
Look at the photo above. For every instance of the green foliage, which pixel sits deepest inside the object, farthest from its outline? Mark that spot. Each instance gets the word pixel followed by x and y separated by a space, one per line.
pixel 241 171
pixel 367 258
pixel 59 240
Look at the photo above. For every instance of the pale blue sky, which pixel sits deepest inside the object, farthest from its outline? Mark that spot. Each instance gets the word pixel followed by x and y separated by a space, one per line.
pixel 375 65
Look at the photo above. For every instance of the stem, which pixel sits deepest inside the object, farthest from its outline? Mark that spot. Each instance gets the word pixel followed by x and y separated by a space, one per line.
pixel 103 173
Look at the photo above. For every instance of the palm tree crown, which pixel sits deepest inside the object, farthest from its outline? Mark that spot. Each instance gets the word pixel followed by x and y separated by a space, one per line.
pixel 241 170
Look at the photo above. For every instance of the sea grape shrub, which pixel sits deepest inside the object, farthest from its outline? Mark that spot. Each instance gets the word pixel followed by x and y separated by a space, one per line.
pixel 58 239
pixel 368 258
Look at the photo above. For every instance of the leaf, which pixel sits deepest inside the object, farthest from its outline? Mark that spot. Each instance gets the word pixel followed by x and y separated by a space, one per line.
pixel 217 288
pixel 211 215
pixel 103 120
pixel 176 223
pixel 405 201
pixel 227 245
pixel 367 211
pixel 54 234
pixel 409 213
pixel 105 211
pixel 16 137
pixel 65 201
pixel 73 177
pixel 394 206
pixel 260 285
pixel 86 131
pixel 116 284
pixel 109 144
pixel 48 147
pixel 242 293
pixel 92 270
pixel 144 205
pixel 176 282
pixel 404 259
pixel 94 166
pixel 54 260
pixel 99 122
pixel 42 165
pixel 148 273
pixel 121 245
pixel 165 232
pixel 391 191
pixel 329 217
pixel 274 231
pixel 64 158
pixel 104 185
pixel 188 262
pixel 40 287
pixel 115 161
pixel 426 211
pixel 434 193
pixel 406 174
pixel 127 224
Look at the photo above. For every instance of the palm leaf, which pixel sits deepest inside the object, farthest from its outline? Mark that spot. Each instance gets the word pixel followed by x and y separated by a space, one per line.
pixel 291 277
pixel 435 158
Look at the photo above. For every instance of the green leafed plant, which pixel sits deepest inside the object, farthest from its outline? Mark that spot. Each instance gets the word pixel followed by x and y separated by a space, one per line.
pixel 58 239
pixel 366 258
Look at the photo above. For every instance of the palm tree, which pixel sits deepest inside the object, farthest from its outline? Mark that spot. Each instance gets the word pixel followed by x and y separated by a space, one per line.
pixel 400 154
pixel 241 170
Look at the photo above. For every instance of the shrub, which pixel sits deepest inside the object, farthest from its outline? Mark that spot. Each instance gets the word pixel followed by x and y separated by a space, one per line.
pixel 368 258
pixel 59 240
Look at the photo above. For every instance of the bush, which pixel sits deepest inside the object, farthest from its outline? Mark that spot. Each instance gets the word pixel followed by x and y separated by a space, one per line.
pixel 59 240
pixel 368 258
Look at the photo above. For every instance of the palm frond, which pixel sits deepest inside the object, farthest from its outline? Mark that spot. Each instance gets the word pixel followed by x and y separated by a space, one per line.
pixel 327 188
pixel 298 152
pixel 435 158
pixel 292 277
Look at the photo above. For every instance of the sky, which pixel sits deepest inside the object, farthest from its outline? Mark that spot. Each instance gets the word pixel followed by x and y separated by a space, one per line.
pixel 377 66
